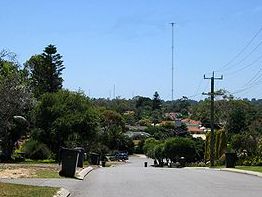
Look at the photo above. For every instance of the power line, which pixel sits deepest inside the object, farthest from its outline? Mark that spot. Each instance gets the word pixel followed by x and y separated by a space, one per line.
pixel 199 85
pixel 197 93
pixel 242 51
pixel 254 79
pixel 245 67
pixel 194 95
pixel 243 59
pixel 256 83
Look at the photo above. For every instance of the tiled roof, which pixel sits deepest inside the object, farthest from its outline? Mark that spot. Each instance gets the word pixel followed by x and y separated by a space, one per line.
pixel 191 122
pixel 195 129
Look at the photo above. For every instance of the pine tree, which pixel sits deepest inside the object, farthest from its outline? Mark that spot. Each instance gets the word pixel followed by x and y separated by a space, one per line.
pixel 156 102
pixel 45 71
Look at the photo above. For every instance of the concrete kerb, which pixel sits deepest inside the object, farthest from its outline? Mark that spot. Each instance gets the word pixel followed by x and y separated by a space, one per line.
pixel 258 174
pixel 62 193
pixel 81 175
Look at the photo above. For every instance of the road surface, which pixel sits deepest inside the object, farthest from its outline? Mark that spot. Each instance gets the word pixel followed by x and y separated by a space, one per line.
pixel 134 180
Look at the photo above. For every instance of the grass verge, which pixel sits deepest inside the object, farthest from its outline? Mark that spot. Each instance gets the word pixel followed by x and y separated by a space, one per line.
pixel 46 173
pixel 16 190
pixel 250 168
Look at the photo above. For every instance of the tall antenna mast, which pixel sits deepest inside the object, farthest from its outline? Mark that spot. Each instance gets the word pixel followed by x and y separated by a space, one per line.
pixel 172 89
pixel 114 92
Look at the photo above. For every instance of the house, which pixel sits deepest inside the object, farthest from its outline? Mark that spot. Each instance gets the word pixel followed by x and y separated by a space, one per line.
pixel 173 115
pixel 194 128
pixel 136 128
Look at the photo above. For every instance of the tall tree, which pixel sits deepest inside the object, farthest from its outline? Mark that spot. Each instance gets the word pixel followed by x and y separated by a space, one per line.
pixel 15 100
pixel 66 119
pixel 45 71
pixel 156 102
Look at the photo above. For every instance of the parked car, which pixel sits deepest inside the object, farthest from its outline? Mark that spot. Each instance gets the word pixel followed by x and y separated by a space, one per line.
pixel 122 156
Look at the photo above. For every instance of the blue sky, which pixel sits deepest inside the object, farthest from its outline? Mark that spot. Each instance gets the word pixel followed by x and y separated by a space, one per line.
pixel 128 44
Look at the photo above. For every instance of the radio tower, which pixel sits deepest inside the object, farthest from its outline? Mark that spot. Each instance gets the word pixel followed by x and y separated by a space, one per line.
pixel 172 89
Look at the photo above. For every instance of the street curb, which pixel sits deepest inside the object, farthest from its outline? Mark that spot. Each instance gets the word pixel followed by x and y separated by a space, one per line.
pixel 140 155
pixel 62 193
pixel 81 175
pixel 258 174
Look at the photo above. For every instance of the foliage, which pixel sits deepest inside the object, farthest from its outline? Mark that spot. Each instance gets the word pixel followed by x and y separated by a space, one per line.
pixel 180 147
pixel 220 143
pixel 149 147
pixel 159 152
pixel 45 70
pixel 65 118
pixel 139 147
pixel 244 141
pixel 156 104
pixel 200 148
pixel 15 100
pixel 113 125
pixel 111 119
pixel 36 150
pixel 184 106
pixel 237 117
pixel 171 149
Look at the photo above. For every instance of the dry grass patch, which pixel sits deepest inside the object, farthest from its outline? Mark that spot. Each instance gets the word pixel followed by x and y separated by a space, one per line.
pixel 29 171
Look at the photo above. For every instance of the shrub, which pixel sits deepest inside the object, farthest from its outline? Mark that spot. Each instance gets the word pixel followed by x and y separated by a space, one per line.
pixel 180 147
pixel 149 147
pixel 247 162
pixel 139 147
pixel 36 150
pixel 256 161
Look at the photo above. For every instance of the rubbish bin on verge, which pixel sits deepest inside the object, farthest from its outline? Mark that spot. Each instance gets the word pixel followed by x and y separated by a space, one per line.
pixel 230 160
pixel 95 158
pixel 81 157
pixel 145 164
pixel 182 162
pixel 69 158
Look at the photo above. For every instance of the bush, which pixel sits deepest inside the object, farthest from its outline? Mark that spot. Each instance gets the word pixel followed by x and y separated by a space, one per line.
pixel 180 147
pixel 139 147
pixel 36 150
pixel 247 162
pixel 149 147
pixel 257 161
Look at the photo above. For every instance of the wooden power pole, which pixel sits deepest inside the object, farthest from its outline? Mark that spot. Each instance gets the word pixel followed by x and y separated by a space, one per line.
pixel 212 115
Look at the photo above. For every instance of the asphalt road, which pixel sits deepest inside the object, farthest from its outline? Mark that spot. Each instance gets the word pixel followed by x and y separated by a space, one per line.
pixel 134 180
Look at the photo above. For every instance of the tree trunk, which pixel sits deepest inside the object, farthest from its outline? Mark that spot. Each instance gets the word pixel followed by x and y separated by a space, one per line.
pixel 7 148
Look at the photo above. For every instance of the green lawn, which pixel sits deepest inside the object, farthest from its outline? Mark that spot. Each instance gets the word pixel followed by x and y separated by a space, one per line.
pixel 15 190
pixel 47 173
pixel 250 168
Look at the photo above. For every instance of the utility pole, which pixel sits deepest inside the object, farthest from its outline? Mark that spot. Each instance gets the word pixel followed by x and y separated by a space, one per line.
pixel 212 115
